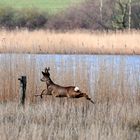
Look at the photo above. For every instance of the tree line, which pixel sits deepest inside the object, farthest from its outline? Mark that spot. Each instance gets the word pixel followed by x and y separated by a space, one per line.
pixel 89 14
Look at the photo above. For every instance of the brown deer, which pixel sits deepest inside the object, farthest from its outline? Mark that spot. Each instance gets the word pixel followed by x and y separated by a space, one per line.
pixel 60 91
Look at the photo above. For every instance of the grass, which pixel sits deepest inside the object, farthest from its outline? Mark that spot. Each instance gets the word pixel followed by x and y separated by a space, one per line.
pixel 52 6
pixel 114 88
pixel 113 84
pixel 70 42
pixel 66 121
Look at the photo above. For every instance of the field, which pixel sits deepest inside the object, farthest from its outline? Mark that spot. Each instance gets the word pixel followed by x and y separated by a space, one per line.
pixel 112 81
pixel 74 42
pixel 65 121
pixel 43 5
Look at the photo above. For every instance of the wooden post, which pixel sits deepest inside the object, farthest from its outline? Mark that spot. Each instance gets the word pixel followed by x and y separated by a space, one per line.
pixel 22 90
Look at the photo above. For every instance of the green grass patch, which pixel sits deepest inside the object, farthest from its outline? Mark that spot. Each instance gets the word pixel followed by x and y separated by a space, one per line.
pixel 51 6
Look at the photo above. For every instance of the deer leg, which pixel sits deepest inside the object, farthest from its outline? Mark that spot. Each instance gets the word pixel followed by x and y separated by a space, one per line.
pixel 86 96
pixel 42 93
pixel 79 95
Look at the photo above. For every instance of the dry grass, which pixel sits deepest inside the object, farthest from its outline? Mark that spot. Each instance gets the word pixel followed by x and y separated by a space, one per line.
pixel 96 74
pixel 74 42
pixel 113 84
pixel 114 87
pixel 64 119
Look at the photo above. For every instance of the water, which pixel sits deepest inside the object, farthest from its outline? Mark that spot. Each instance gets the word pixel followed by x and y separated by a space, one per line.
pixel 84 71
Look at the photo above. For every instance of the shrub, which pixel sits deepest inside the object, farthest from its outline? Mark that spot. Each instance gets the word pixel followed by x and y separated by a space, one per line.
pixel 10 18
pixel 85 15
pixel 6 17
pixel 34 19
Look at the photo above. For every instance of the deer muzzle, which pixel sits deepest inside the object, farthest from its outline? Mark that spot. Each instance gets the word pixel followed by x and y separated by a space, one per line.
pixel 42 80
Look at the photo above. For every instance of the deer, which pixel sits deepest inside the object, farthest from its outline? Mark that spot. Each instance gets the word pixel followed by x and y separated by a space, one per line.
pixel 60 91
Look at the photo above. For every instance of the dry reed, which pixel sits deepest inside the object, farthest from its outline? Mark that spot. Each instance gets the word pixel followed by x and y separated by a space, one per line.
pixel 70 42
pixel 70 119
pixel 110 81
pixel 114 87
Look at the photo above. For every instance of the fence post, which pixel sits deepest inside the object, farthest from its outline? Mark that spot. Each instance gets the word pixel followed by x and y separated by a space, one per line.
pixel 22 90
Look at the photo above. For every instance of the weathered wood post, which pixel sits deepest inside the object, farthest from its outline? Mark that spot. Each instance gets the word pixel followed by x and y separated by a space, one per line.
pixel 22 90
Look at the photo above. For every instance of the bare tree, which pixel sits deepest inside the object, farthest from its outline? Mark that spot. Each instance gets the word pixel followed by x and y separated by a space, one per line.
pixel 101 9
pixel 129 18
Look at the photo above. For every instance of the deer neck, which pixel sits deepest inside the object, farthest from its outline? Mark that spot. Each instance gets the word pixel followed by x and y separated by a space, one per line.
pixel 49 82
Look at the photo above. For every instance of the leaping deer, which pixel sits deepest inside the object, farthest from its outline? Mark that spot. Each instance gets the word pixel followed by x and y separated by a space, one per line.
pixel 60 91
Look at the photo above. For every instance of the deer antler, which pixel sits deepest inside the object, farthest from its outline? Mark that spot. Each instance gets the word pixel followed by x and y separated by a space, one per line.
pixel 47 69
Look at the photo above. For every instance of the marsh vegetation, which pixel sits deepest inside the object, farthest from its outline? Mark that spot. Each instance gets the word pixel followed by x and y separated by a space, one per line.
pixel 112 81
pixel 66 37
pixel 69 42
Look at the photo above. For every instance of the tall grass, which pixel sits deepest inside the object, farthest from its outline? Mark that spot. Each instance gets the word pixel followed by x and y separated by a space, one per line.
pixel 65 120
pixel 113 84
pixel 93 74
pixel 115 90
pixel 74 42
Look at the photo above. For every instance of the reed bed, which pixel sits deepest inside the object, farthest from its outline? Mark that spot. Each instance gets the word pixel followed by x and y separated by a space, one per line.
pixel 109 81
pixel 67 119
pixel 70 42
pixel 92 74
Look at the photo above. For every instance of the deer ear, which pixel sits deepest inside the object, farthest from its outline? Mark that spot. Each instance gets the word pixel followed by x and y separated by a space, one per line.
pixel 45 69
pixel 43 73
pixel 48 68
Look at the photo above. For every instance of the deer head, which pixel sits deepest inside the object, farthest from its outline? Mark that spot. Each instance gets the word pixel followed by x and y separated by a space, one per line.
pixel 46 75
